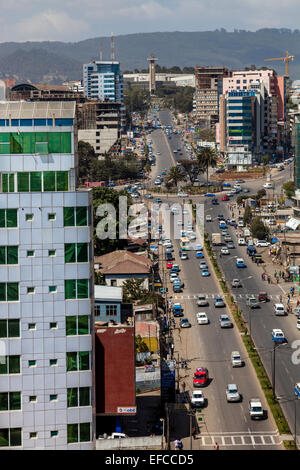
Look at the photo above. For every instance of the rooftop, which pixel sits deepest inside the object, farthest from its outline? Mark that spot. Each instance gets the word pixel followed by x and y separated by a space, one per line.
pixel 37 109
pixel 123 262
pixel 108 293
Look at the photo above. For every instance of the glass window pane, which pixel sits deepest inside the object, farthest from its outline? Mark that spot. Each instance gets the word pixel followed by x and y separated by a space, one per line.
pixel 12 291
pixel 2 254
pixel 82 288
pixel 82 252
pixel 72 433
pixel 49 180
pixel 11 218
pixel 62 181
pixel 84 363
pixel 85 432
pixel 15 436
pixel 71 361
pixel 84 396
pixel 36 181
pixel 4 365
pixel 4 183
pixel 16 143
pixel 2 218
pixel 4 442
pixel 29 142
pixel 70 254
pixel 70 289
pixel 11 183
pixel 12 255
pixel 83 324
pixel 71 326
pixel 14 364
pixel 72 397
pixel 23 182
pixel 81 216
pixel 13 328
pixel 4 401
pixel 69 217
pixel 3 328
pixel 2 292
pixel 41 147
pixel 15 400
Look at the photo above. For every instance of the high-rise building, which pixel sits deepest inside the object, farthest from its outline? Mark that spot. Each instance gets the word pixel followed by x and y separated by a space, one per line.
pixel 208 81
pixel 103 80
pixel 46 287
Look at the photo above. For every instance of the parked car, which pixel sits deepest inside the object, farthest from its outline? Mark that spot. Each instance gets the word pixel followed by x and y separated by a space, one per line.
pixel 201 377
pixel 262 243
pixel 184 323
pixel 197 399
pixel 177 310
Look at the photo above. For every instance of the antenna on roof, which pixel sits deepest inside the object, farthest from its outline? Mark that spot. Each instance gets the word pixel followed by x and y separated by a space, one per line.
pixel 112 42
pixel 101 52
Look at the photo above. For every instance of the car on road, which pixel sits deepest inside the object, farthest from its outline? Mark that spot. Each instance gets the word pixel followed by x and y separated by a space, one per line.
pixel 201 377
pixel 203 265
pixel 224 233
pixel 175 268
pixel 205 273
pixel 219 302
pixel 222 224
pixel 225 321
pixel 279 310
pixel 202 318
pixel 177 310
pixel 199 254
pixel 224 250
pixel 255 409
pixel 263 297
pixel 221 217
pixel 230 245
pixel 215 202
pixel 278 336
pixel 262 243
pixel 252 301
pixel 209 195
pixel 297 389
pixel 232 393
pixel 227 238
pixel 197 399
pixel 158 200
pixel 268 185
pixel 241 241
pixel 184 323
pixel 184 256
pixel 296 311
pixel 202 300
pixel 236 283
pixel 240 263
pixel 225 198
pixel 173 276
pixel 182 194
pixel 236 360
pixel 208 218
pixel 169 264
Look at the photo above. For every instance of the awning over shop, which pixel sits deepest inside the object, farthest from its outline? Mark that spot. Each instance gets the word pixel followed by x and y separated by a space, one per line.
pixel 293 223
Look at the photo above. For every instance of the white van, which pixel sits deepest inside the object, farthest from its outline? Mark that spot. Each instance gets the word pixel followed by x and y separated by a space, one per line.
pixel 208 218
pixel 268 185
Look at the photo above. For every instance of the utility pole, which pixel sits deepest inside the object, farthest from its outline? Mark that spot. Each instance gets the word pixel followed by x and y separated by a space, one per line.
pixel 168 427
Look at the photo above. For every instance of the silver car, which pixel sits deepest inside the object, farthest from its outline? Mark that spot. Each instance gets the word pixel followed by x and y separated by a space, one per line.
pixel 232 393
pixel 225 322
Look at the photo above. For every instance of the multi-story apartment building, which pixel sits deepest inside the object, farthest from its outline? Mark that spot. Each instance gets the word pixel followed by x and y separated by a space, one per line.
pixel 208 82
pixel 46 282
pixel 102 80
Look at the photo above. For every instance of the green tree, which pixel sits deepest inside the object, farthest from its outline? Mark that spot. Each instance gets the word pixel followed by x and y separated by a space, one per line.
pixel 207 158
pixel 191 169
pixel 140 345
pixel 289 188
pixel 86 157
pixel 259 229
pixel 247 215
pixel 133 290
pixel 99 279
pixel 260 194
pixel 174 175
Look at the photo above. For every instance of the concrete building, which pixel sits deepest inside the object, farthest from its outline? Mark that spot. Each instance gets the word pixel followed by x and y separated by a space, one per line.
pixel 100 124
pixel 108 303
pixel 208 82
pixel 46 290
pixel 160 78
pixel 28 91
pixel 102 80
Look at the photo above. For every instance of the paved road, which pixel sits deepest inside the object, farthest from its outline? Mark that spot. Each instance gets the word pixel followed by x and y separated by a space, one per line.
pixel 263 319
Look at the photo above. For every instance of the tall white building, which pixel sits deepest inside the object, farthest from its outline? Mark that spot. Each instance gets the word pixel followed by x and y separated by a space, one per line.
pixel 46 282
pixel 103 80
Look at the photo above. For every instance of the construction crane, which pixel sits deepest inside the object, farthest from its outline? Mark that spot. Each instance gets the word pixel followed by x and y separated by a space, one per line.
pixel 286 59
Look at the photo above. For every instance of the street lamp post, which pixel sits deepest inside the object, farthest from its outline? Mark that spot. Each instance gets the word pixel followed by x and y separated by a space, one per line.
pixel 163 432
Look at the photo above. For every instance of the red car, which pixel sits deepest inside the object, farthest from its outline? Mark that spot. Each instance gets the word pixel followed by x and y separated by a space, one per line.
pixel 169 264
pixel 225 198
pixel 200 378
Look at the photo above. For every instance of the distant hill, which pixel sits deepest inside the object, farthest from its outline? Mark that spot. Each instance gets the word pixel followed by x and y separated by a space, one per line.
pixel 52 62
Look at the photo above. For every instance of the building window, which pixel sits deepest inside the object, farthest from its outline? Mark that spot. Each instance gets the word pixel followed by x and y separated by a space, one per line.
pixel 30 290
pixel 111 310
pixel 32 398
pixel 51 252
pixel 51 216
pixel 10 401
pixel 53 325
pixel 8 218
pixel 53 397
pixel 76 289
pixel 78 361
pixel 97 310
pixel 53 433
pixel 113 282
pixel 8 182
pixel 10 437
pixel 32 435
pixel 53 362
pixel 52 289
pixel 29 217
pixel 78 397
pixel 10 365
pixel 9 291
pixel 75 216
pixel 76 252
pixel 79 433
pixel 9 328
pixel 32 363
pixel 31 326
pixel 77 325
pixel 30 253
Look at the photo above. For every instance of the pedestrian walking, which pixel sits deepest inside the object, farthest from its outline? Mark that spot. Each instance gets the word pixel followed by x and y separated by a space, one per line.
pixel 269 279
pixel 262 277
pixel 280 298
pixel 180 445
pixel 279 273
pixel 176 444
pixel 183 387
pixel 216 446
pixel 298 302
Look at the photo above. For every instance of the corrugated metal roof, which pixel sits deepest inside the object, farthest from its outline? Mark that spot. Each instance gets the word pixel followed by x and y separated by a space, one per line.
pixel 37 109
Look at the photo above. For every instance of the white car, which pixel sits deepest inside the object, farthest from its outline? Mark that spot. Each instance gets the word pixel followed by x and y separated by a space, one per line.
pixel 240 223
pixel 236 360
pixel 173 276
pixel 184 256
pixel 202 300
pixel 191 235
pixel 268 186
pixel 232 393
pixel 197 398
pixel 279 309
pixel 202 318
pixel 208 218
pixel 180 194
pixel 262 243
pixel 241 241
pixel 224 251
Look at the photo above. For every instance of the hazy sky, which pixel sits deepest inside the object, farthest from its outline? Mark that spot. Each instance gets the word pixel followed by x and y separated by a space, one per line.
pixel 73 20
